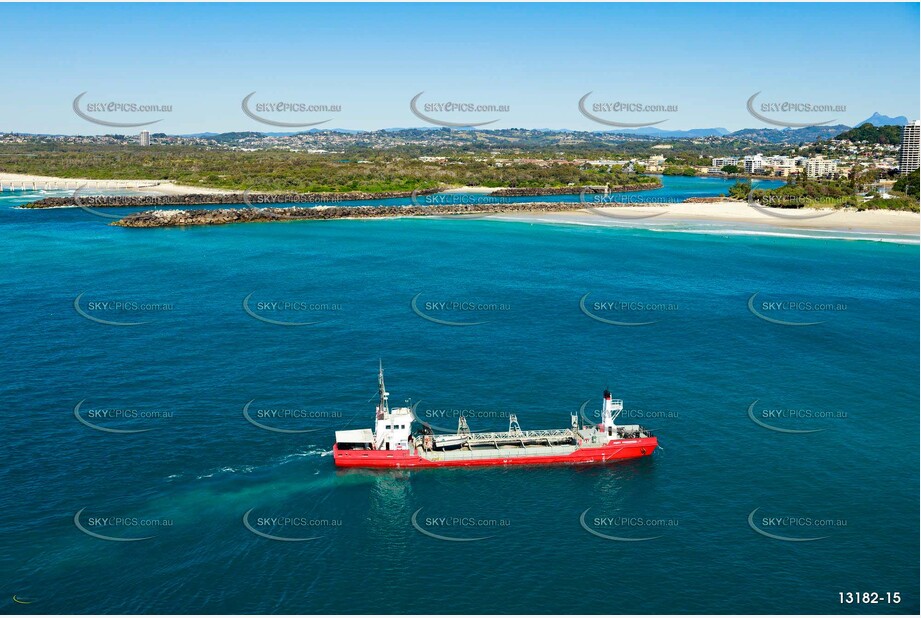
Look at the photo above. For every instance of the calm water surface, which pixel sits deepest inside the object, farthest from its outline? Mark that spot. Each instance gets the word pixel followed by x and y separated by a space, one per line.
pixel 700 375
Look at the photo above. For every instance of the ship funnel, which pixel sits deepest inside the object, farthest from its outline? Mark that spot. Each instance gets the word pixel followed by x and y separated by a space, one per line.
pixel 610 410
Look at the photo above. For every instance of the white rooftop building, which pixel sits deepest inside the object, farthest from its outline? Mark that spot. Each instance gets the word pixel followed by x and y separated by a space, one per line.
pixel 754 164
pixel 819 167
pixel 721 162
pixel 911 144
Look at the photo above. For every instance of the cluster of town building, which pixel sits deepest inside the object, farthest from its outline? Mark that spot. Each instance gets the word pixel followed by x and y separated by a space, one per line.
pixel 653 164
pixel 779 165
pixel 847 154
pixel 837 160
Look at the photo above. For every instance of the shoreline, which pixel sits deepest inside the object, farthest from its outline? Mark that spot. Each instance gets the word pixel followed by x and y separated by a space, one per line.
pixel 169 188
pixel 148 192
pixel 250 199
pixel 88 185
pixel 894 227
pixel 651 216
pixel 259 207
pixel 737 212
pixel 169 194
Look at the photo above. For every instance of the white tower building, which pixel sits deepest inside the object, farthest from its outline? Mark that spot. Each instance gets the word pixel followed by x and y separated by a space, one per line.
pixel 908 155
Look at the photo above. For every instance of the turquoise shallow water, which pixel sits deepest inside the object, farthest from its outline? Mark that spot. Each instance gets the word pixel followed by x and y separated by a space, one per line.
pixel 692 375
pixel 674 189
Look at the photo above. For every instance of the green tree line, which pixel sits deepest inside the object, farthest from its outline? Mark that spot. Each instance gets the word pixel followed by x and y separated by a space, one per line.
pixel 280 170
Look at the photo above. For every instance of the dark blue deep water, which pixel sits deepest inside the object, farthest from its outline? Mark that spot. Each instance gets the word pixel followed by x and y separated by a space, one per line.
pixel 708 375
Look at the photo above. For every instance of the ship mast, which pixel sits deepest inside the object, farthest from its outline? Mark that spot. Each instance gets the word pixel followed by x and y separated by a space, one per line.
pixel 383 407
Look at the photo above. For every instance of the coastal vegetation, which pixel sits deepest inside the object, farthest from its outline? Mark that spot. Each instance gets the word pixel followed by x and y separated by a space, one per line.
pixel 526 164
pixel 908 184
pixel 286 171
pixel 888 134
pixel 679 170
pixel 802 192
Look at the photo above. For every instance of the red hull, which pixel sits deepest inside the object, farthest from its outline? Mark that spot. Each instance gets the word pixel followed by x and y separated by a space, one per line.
pixel 615 451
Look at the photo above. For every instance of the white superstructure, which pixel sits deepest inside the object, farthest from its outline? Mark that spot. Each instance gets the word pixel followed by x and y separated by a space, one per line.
pixel 392 428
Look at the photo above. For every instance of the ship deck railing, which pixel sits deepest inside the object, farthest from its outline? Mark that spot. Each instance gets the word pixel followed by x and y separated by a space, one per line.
pixel 509 453
pixel 544 435
pixel 516 443
pixel 535 435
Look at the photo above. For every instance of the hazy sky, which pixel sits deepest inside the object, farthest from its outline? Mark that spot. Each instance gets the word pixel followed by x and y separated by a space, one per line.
pixel 371 59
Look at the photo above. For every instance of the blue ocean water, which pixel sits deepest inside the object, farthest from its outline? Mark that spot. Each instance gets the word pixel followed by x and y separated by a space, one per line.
pixel 706 373
pixel 674 189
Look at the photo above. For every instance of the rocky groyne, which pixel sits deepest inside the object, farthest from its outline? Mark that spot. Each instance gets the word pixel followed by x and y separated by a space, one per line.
pixel 222 216
pixel 246 197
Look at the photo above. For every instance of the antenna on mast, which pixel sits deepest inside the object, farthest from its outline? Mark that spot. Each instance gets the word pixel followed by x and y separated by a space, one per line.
pixel 383 407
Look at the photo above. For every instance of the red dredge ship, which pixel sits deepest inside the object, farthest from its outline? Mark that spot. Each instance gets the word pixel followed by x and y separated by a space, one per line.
pixel 392 443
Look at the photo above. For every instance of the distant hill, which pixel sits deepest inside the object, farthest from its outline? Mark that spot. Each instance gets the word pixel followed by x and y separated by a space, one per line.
pixel 238 134
pixel 438 137
pixel 878 120
pixel 657 132
pixel 791 136
pixel 234 136
pixel 866 132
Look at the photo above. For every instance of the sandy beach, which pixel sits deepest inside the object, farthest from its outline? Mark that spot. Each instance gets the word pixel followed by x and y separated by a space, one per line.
pixel 90 185
pixel 652 215
pixel 732 212
pixel 169 188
